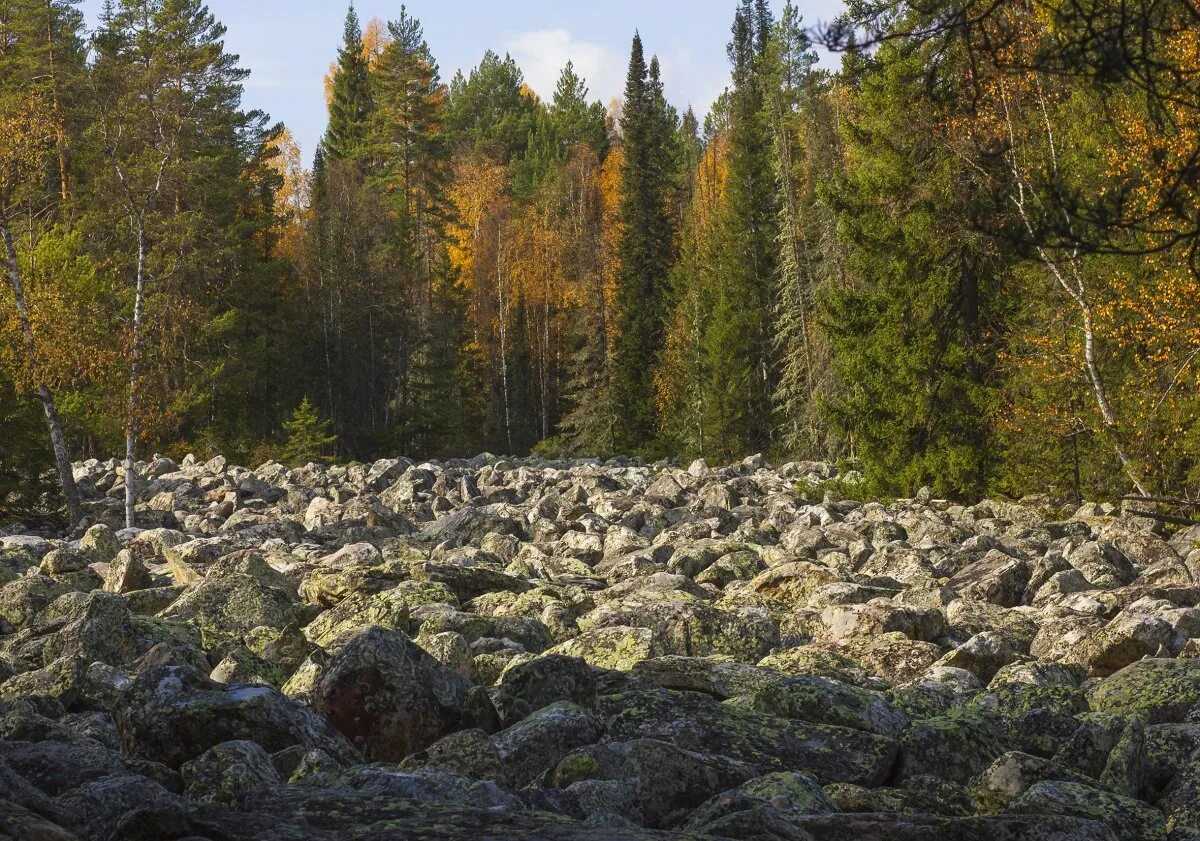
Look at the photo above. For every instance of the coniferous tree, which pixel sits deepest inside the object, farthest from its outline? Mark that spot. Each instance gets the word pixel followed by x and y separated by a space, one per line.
pixel 645 251
pixel 492 111
pixel 917 329
pixel 575 120
pixel 796 98
pixel 308 437
pixel 42 65
pixel 351 102
pixel 739 345
pixel 174 145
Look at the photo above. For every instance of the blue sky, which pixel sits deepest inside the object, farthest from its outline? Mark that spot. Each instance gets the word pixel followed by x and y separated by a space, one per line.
pixel 288 44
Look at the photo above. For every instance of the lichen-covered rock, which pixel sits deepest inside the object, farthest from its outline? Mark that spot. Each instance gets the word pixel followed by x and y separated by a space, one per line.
pixel 1161 691
pixel 537 742
pixel 63 561
pixel 23 600
pixel 720 677
pixel 692 628
pixel 892 656
pixel 955 746
pixel 697 722
pixel 667 781
pixel 100 544
pixel 98 629
pixel 234 604
pixel 825 701
pixel 388 609
pixel 225 772
pixel 790 795
pixel 570 649
pixel 1180 800
pixel 996 577
pixel 881 616
pixel 126 574
pixel 527 687
pixel 1012 775
pixel 1125 817
pixel 62 680
pixel 984 654
pixel 172 714
pixel 452 650
pixel 612 647
pixel 917 796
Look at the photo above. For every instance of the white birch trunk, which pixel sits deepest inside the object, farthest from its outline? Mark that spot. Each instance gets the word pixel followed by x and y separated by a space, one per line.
pixel 135 364
pixel 58 441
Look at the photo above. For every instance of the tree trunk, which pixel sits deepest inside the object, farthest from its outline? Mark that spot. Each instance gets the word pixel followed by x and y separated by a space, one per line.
pixel 503 334
pixel 135 364
pixel 62 455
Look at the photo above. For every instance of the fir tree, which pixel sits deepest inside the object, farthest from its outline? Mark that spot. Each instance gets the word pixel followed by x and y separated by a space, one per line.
pixel 916 330
pixel 574 119
pixel 738 347
pixel 308 437
pixel 645 251
pixel 795 92
pixel 351 102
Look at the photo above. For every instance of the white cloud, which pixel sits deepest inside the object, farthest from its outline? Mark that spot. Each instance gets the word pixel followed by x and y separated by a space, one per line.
pixel 689 79
pixel 542 54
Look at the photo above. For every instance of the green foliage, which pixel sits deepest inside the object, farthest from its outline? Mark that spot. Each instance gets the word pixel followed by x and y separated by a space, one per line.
pixel 308 437
pixel 351 102
pixel 646 250
pixel 826 266
pixel 916 334
pixel 490 111
pixel 27 486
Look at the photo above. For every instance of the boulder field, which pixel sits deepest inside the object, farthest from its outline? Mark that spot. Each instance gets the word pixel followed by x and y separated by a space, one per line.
pixel 532 649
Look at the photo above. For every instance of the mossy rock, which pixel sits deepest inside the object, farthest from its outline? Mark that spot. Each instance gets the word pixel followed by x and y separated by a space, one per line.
pixel 825 701
pixel 620 647
pixel 955 746
pixel 1161 691
pixel 1127 818
pixel 919 796
pixel 699 723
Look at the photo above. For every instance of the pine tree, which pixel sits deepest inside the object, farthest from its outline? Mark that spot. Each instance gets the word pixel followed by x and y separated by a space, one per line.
pixel 308 437
pixel 574 119
pixel 46 52
pixel 645 252
pixel 174 145
pixel 492 112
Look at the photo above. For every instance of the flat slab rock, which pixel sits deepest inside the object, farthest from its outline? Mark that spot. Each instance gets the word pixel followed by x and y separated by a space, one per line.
pixel 568 650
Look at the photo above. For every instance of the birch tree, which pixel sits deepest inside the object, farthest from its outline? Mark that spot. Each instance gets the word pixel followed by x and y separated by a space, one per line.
pixel 162 84
pixel 26 131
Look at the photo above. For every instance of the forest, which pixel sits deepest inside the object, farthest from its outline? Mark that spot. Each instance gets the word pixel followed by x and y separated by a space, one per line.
pixel 968 259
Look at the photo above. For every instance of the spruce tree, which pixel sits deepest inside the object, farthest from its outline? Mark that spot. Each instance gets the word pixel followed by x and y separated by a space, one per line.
pixel 796 98
pixel 351 102
pixel 738 347
pixel 645 253
pixel 308 437
pixel 916 331
pixel 575 120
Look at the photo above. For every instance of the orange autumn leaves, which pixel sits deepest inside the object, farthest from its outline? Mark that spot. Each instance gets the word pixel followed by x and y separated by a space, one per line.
pixel 544 254
pixel 69 344
pixel 1057 138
